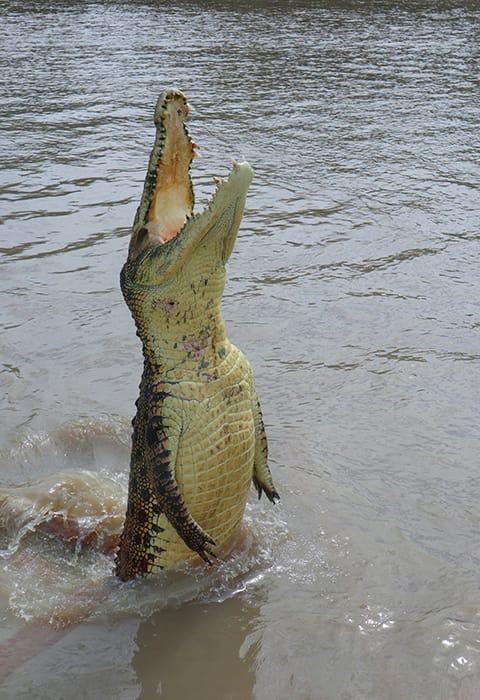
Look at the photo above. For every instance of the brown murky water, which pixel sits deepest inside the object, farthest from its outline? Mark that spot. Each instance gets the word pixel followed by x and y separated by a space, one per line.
pixel 354 291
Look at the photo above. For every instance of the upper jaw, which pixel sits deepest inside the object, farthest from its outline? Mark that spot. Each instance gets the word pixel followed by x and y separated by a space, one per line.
pixel 167 200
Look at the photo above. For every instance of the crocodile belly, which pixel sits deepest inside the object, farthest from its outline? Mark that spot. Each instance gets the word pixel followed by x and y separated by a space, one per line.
pixel 213 469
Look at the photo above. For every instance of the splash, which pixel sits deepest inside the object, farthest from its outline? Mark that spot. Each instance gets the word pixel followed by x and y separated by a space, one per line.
pixel 59 532
pixel 82 507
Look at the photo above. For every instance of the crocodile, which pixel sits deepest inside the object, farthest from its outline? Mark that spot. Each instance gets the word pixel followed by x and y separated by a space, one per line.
pixel 198 438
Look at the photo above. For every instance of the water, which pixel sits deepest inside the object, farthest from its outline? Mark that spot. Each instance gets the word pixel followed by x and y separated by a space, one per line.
pixel 353 290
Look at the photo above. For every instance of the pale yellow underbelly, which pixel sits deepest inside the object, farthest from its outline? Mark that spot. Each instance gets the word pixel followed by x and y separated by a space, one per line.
pixel 213 470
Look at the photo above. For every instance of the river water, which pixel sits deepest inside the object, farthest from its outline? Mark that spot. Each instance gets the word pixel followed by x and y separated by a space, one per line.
pixel 353 290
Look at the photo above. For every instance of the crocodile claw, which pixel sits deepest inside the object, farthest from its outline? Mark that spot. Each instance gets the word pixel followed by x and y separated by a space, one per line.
pixel 271 493
pixel 207 555
pixel 199 541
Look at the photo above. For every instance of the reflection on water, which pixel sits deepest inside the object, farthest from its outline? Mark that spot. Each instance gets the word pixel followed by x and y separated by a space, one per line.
pixel 217 665
pixel 353 289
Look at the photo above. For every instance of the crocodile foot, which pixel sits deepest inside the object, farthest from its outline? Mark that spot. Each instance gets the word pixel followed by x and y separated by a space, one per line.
pixel 199 541
pixel 269 490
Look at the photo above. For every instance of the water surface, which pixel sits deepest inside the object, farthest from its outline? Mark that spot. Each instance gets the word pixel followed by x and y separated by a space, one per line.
pixel 353 289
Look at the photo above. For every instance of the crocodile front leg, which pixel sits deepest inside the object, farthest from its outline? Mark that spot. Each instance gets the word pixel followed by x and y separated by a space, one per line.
pixel 262 478
pixel 161 448
pixel 155 497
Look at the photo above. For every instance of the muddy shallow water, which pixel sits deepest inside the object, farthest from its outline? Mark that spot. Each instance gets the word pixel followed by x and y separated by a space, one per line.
pixel 353 290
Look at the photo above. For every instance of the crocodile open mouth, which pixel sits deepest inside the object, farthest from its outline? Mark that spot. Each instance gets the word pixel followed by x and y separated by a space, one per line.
pixel 168 198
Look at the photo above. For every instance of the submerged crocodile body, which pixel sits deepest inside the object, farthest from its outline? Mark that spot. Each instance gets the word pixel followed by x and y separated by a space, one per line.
pixel 198 435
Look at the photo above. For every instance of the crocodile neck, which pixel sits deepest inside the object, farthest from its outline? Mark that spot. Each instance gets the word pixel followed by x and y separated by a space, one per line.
pixel 185 336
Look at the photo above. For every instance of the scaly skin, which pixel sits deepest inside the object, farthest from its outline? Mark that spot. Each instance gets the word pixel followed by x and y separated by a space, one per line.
pixel 198 435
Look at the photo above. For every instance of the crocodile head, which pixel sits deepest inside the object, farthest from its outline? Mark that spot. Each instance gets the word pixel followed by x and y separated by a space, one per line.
pixel 174 276
pixel 166 233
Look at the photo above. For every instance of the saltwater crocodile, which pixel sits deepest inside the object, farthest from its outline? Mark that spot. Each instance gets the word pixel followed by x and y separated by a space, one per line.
pixel 198 434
